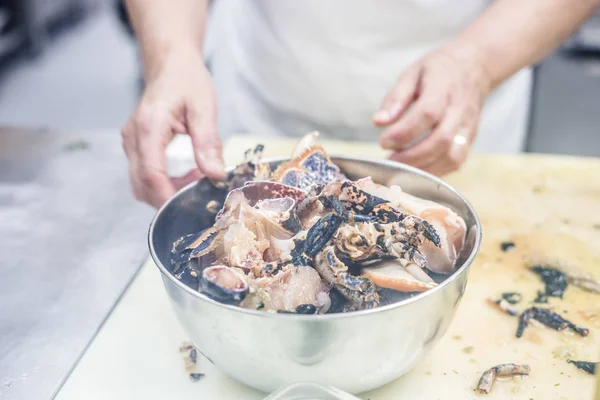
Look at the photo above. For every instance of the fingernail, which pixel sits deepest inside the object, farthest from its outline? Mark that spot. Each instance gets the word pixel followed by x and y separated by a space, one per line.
pixel 215 163
pixel 395 109
pixel 220 168
pixel 382 116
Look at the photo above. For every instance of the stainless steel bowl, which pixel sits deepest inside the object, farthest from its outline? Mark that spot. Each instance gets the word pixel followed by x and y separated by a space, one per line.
pixel 355 352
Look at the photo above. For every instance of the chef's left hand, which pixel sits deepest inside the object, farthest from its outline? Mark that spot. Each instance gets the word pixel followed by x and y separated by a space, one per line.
pixel 441 94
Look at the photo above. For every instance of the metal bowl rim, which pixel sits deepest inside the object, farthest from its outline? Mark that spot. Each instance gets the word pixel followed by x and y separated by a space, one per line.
pixel 322 317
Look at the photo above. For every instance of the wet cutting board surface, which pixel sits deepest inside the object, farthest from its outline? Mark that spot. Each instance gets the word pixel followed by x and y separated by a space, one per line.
pixel 548 206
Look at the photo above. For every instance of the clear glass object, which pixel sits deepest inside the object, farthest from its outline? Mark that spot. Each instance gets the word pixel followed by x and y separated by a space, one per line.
pixel 309 391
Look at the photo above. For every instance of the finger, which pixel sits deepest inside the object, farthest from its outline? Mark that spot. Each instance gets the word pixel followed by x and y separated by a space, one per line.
pixel 434 146
pixel 422 116
pixel 153 130
pixel 130 148
pixel 192 176
pixel 138 191
pixel 399 98
pixel 128 139
pixel 455 157
pixel 208 149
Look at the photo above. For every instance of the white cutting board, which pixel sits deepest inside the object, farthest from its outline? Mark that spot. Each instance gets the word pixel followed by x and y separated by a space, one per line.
pixel 136 353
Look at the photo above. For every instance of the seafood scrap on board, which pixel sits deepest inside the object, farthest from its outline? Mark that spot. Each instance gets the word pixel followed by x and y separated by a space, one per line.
pixel 548 318
pixel 503 370
pixel 191 361
pixel 586 366
pixel 298 238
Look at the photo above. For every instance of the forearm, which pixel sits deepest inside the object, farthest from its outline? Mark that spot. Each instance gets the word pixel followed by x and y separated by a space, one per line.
pixel 513 34
pixel 166 27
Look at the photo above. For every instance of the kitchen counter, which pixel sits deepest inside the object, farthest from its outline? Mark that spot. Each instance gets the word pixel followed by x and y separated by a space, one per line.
pixel 71 239
pixel 548 206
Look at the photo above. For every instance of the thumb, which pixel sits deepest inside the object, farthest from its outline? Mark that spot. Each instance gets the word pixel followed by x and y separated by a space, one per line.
pixel 208 149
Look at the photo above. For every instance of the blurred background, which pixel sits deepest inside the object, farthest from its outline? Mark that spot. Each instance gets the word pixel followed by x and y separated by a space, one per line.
pixel 72 64
pixel 66 64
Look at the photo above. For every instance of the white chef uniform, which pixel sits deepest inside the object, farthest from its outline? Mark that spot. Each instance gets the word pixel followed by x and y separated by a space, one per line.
pixel 287 67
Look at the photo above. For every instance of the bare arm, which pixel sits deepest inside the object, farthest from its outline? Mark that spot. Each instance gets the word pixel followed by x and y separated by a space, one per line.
pixel 179 97
pixel 447 87
pixel 513 34
pixel 166 26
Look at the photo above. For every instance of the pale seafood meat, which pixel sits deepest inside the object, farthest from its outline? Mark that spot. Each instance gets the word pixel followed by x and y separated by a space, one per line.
pixel 289 289
pixel 241 247
pixel 292 239
pixel 488 378
pixel 390 275
pixel 450 227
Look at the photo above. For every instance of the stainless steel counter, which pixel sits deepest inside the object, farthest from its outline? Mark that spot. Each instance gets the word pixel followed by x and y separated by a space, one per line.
pixel 71 239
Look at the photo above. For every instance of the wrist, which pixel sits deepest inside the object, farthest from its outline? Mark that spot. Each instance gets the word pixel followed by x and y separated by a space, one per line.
pixel 473 59
pixel 171 58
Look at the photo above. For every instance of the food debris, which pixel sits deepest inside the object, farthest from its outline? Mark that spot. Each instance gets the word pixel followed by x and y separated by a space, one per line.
pixel 548 318
pixel 186 346
pixel 456 337
pixel 554 280
pixel 213 206
pixel 191 360
pixel 468 349
pixel 503 305
pixel 507 246
pixel 589 367
pixel 195 377
pixel 503 370
pixel 512 297
pixel 574 276
pixel 189 363
pixel 219 184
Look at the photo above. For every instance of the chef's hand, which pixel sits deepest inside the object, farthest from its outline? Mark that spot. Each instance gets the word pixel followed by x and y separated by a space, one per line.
pixel 179 99
pixel 441 94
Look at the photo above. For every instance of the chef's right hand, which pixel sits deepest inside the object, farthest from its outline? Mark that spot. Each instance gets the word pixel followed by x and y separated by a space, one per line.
pixel 179 98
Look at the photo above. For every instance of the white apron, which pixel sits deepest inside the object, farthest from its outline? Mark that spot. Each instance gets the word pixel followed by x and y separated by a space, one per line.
pixel 287 67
